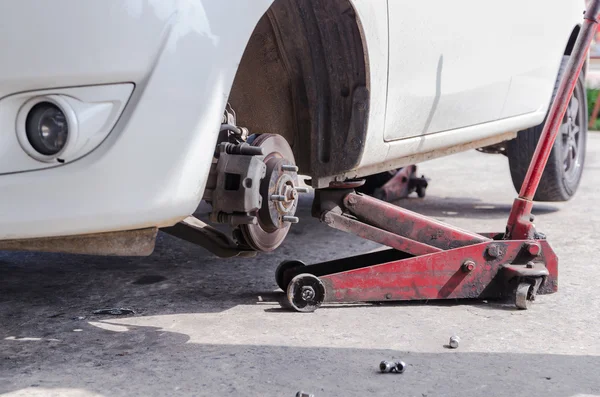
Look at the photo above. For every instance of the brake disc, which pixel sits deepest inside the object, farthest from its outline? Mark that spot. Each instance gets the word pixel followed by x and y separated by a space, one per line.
pixel 279 191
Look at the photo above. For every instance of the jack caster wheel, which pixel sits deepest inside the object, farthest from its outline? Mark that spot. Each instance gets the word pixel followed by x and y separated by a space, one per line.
pixel 521 296
pixel 305 293
pixel 284 267
pixel 526 292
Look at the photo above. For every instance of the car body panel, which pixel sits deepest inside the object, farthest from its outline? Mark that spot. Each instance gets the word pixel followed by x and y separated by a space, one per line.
pixel 425 128
pixel 534 75
pixel 182 57
pixel 152 168
pixel 459 69
pixel 373 15
pixel 438 77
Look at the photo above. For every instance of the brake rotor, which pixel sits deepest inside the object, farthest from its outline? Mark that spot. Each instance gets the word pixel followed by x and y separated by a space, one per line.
pixel 278 192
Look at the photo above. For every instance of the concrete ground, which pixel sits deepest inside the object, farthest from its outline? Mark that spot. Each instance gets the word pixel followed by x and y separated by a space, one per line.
pixel 210 327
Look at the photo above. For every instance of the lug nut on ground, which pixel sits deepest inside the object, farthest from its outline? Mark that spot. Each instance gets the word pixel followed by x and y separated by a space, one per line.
pixel 397 367
pixel 454 342
pixel 304 394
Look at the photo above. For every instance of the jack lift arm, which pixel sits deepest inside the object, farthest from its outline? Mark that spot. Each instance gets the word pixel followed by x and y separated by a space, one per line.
pixel 429 259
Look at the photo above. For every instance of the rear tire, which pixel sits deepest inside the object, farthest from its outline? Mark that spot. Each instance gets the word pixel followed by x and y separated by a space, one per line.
pixel 565 164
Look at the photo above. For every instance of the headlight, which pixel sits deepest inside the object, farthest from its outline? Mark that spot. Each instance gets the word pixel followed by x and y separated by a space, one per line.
pixel 60 126
pixel 47 128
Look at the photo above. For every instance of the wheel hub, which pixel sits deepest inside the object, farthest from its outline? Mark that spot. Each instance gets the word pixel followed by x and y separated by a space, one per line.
pixel 280 194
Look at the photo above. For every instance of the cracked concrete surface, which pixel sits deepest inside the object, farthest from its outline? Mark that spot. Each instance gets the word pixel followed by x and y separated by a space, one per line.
pixel 202 330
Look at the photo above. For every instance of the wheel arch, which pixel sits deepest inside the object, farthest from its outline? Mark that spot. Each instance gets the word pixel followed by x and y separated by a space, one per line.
pixel 304 75
pixel 572 39
pixel 571 44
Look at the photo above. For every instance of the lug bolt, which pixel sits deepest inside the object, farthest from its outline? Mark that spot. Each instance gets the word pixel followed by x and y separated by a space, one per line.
pixel 454 341
pixel 290 168
pixel 392 366
pixel 277 197
pixel 302 190
pixel 534 249
pixel 291 219
pixel 468 266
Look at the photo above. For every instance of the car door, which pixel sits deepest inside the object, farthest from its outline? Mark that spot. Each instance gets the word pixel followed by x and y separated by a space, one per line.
pixel 541 33
pixel 447 64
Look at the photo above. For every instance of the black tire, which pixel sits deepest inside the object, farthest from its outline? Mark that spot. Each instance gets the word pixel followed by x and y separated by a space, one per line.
pixel 565 164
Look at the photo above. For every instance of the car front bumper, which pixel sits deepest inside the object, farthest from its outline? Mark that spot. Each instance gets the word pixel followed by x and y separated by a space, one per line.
pixel 151 169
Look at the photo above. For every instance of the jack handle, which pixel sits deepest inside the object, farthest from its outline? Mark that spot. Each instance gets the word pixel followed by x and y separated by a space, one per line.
pixel 520 222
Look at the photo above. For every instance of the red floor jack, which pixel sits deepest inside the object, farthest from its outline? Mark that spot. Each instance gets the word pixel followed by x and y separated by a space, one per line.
pixel 430 259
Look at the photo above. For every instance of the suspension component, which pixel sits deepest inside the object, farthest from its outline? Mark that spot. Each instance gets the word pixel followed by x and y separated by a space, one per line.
pixel 253 187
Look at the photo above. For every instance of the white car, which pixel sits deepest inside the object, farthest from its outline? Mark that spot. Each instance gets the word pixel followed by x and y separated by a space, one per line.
pixel 119 116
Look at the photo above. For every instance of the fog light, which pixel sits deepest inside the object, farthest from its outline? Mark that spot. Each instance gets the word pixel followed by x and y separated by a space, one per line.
pixel 47 128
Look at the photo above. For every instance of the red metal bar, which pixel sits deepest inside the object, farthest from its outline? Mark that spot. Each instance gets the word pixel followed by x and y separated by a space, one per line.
pixel 467 272
pixel 409 224
pixel 372 233
pixel 519 225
